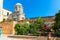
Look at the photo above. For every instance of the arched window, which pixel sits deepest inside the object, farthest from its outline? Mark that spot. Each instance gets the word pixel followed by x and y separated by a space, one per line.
pixel 7 13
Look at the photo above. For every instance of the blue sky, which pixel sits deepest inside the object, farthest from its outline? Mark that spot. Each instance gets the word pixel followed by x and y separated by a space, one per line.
pixel 35 8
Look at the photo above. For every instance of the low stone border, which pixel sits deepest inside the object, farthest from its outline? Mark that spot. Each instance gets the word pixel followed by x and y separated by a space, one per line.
pixel 24 37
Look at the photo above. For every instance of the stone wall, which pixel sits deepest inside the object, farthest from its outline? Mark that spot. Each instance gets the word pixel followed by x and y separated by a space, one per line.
pixel 49 19
pixel 6 27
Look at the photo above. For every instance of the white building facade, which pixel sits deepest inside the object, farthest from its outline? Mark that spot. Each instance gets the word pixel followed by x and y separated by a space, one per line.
pixel 1 7
pixel 3 12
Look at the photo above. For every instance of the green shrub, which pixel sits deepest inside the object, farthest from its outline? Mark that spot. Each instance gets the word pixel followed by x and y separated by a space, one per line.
pixel 58 33
pixel 29 28
pixel 22 29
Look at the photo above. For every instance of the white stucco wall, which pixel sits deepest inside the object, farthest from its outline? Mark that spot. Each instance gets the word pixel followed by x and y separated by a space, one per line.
pixel 4 11
pixel 1 6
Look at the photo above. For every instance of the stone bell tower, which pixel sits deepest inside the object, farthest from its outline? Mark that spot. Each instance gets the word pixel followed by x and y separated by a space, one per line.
pixel 19 10
pixel 1 7
pixel 18 13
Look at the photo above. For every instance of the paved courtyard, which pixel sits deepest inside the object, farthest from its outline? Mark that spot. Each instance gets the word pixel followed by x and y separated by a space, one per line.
pixel 4 37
